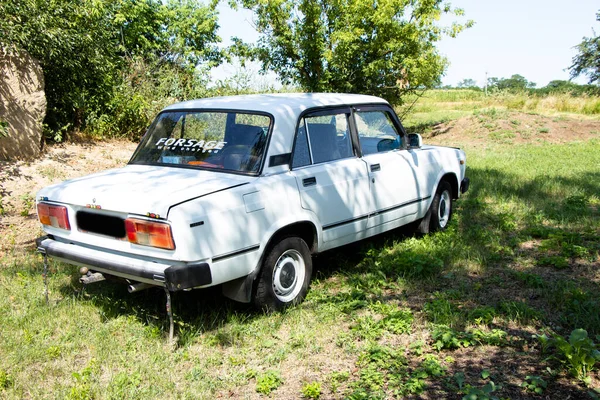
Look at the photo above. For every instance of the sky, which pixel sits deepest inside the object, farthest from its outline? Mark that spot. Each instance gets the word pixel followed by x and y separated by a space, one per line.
pixel 533 38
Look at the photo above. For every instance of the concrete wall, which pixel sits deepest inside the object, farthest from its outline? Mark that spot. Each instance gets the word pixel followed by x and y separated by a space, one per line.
pixel 22 106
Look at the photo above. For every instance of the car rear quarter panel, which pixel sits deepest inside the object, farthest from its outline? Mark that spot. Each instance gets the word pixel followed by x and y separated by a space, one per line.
pixel 231 229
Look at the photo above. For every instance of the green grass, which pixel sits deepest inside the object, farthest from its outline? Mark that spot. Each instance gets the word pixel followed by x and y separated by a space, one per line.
pixel 439 106
pixel 384 318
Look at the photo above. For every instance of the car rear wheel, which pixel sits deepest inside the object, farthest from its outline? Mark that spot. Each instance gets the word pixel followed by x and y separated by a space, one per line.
pixel 285 275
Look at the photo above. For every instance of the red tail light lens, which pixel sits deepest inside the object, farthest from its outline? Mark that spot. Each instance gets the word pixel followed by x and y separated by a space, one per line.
pixel 56 216
pixel 148 233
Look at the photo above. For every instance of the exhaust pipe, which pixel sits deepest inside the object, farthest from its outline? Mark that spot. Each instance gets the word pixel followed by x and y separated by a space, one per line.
pixel 137 287
pixel 91 278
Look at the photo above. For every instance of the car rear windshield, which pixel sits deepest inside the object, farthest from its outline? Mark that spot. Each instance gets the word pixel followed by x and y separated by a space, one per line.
pixel 219 140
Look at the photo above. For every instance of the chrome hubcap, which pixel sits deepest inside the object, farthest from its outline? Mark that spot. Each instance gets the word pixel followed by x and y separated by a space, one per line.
pixel 444 209
pixel 288 275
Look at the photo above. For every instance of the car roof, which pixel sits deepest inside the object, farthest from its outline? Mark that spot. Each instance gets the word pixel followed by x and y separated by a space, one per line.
pixel 285 109
pixel 278 104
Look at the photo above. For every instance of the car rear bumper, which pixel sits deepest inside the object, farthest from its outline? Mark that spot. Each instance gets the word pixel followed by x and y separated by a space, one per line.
pixel 176 276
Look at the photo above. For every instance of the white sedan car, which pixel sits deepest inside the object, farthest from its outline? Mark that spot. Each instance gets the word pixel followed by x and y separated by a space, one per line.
pixel 241 191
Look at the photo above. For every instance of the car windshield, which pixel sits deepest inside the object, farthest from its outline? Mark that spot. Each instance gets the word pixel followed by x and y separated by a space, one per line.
pixel 220 140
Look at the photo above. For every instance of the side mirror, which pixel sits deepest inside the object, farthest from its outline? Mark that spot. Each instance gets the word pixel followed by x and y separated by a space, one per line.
pixel 415 140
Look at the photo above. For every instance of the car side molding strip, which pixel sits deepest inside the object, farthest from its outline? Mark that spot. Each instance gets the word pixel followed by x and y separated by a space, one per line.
pixel 383 210
pixel 236 253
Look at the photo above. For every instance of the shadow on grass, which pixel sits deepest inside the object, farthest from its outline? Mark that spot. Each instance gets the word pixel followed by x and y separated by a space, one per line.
pixel 478 272
pixel 397 265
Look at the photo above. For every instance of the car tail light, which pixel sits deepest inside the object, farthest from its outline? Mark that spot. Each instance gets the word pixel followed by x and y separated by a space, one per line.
pixel 149 233
pixel 56 216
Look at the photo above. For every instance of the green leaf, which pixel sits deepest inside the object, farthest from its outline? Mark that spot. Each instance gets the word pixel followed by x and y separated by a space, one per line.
pixel 578 335
pixel 489 387
pixel 459 378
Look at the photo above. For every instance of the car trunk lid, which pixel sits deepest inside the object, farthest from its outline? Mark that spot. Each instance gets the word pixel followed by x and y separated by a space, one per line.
pixel 141 189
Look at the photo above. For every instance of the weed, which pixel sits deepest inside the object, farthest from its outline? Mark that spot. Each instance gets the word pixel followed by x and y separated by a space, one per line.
pixel 336 378
pixel 535 384
pixel 126 385
pixel 51 172
pixel 441 311
pixel 579 307
pixel 431 366
pixel 82 390
pixel 459 379
pixel 530 280
pixel 407 264
pixel 417 347
pixel 502 136
pixel 267 382
pixel 380 366
pixel 492 113
pixel 6 380
pixel 386 368
pixel 482 393
pixel 519 311
pixel 53 351
pixel 558 262
pixel 366 328
pixel 27 202
pixel 395 321
pixel 525 134
pixel 311 390
pixel 579 354
pixel 544 130
pixel 495 337
pixel 3 128
pixel 445 337
pixel 482 315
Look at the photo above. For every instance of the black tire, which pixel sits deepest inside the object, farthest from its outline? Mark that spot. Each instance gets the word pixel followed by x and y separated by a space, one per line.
pixel 285 275
pixel 441 208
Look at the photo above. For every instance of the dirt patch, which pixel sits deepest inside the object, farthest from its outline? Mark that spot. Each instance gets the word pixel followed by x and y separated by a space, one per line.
pixel 512 127
pixel 20 181
pixel 507 367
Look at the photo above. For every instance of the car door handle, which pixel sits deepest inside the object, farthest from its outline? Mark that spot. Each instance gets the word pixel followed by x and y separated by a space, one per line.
pixel 309 181
pixel 375 167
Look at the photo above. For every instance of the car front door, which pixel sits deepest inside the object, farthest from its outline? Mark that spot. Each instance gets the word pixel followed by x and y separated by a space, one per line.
pixel 333 182
pixel 397 197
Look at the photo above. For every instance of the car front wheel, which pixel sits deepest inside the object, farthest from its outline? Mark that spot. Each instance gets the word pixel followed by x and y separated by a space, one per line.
pixel 285 275
pixel 441 208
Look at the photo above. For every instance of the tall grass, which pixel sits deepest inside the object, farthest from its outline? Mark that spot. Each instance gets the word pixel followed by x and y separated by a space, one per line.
pixel 474 99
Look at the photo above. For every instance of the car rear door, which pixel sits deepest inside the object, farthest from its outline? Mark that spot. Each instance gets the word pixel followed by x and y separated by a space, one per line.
pixel 333 182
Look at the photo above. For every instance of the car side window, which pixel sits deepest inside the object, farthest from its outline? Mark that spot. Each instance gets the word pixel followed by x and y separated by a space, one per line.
pixel 301 150
pixel 376 132
pixel 322 138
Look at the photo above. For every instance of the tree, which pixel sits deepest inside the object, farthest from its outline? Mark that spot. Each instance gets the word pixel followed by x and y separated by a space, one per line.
pixel 384 47
pixel 467 83
pixel 85 47
pixel 515 83
pixel 587 61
